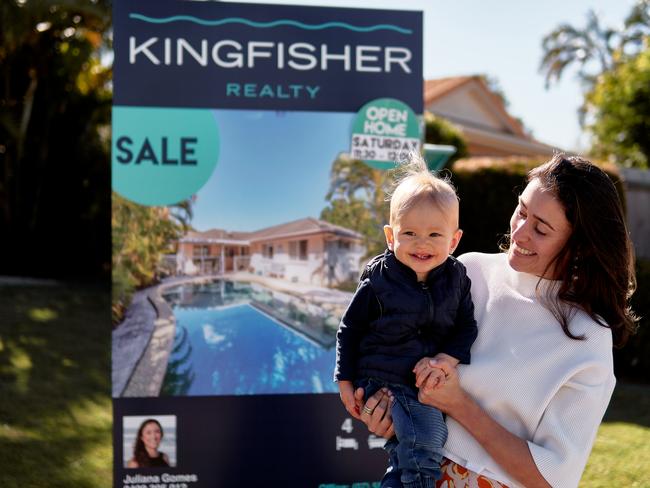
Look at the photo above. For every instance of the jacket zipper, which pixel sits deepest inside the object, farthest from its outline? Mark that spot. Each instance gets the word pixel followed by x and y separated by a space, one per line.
pixel 425 289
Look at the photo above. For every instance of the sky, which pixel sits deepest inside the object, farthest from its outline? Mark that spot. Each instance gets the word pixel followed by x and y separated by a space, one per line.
pixel 503 40
pixel 261 179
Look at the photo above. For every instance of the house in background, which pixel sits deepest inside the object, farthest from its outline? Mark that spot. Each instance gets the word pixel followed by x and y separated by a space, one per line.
pixel 212 252
pixel 303 251
pixel 481 115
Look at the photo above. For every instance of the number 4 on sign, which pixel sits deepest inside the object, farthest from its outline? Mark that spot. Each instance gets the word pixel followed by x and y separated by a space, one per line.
pixel 346 426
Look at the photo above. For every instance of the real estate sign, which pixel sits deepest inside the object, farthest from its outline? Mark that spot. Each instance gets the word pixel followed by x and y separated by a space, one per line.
pixel 232 119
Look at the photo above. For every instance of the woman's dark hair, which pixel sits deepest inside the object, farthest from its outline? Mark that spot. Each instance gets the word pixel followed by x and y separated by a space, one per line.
pixel 139 451
pixel 596 265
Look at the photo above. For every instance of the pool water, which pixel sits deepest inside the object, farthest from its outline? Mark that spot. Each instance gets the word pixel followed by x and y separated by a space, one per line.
pixel 224 345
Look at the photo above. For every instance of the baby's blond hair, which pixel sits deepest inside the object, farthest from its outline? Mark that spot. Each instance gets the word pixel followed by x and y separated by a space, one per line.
pixel 417 184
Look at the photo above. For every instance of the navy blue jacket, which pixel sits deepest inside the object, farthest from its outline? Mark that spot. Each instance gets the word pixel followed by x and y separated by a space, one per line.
pixel 393 320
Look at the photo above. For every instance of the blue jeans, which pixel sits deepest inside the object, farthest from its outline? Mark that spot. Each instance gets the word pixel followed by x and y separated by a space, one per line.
pixel 415 452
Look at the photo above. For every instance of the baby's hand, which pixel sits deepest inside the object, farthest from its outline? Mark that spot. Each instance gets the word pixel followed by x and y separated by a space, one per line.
pixel 352 404
pixel 424 370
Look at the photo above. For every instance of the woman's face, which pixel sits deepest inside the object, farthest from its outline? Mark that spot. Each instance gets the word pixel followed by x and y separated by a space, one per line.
pixel 151 435
pixel 538 231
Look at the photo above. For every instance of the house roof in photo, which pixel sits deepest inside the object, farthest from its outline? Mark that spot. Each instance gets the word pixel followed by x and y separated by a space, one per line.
pixel 217 236
pixel 295 228
pixel 305 226
pixel 482 116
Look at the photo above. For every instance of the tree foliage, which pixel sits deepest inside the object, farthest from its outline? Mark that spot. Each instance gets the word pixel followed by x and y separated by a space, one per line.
pixel 440 131
pixel 141 237
pixel 619 105
pixel 594 48
pixel 54 148
pixel 613 64
pixel 357 200
pixel 591 48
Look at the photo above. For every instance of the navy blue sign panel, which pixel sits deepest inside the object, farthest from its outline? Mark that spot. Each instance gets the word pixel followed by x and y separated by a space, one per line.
pixel 247 56
pixel 275 441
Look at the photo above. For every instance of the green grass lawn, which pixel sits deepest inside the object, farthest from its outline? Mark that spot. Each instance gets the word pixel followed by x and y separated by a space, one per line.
pixel 621 454
pixel 55 407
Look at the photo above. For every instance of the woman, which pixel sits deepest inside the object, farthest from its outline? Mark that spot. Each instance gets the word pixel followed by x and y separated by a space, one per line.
pixel 548 312
pixel 145 449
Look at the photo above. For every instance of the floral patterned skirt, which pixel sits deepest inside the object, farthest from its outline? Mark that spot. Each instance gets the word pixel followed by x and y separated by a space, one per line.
pixel 455 476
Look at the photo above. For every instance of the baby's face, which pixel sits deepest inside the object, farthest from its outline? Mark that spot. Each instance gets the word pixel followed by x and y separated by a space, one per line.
pixel 424 237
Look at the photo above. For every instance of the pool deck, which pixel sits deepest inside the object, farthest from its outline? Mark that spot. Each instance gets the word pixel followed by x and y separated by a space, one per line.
pixel 317 294
pixel 142 343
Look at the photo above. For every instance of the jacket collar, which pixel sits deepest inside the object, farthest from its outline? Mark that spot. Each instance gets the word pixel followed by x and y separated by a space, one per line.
pixel 394 265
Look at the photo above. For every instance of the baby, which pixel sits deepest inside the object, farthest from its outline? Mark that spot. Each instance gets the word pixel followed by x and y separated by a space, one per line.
pixel 412 304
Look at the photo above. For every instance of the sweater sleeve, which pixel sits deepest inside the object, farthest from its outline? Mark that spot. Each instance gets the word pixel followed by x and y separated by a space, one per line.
pixel 464 332
pixel 563 440
pixel 363 308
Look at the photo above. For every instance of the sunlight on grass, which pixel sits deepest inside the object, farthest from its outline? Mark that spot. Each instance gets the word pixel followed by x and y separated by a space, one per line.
pixel 55 405
pixel 12 433
pixel 42 314
pixel 620 457
pixel 68 363
pixel 21 367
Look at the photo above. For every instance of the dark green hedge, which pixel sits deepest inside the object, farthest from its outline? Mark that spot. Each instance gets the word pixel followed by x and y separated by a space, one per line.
pixel 633 361
pixel 488 190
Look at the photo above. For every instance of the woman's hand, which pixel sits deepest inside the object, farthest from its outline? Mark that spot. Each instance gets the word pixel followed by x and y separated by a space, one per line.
pixel 449 396
pixel 376 412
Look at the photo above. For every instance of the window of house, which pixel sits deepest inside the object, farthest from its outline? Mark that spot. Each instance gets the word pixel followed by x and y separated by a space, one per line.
pixel 298 250
pixel 267 251
pixel 303 250
pixel 201 251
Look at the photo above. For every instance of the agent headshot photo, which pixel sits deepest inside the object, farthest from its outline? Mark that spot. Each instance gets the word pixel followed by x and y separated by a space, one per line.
pixel 149 445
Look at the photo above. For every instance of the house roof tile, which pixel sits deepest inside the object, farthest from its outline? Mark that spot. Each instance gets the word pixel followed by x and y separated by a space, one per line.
pixel 307 225
pixel 440 87
pixel 298 227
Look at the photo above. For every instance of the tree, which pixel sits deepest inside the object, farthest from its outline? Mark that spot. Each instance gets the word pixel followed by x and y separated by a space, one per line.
pixel 357 200
pixel 594 48
pixel 613 65
pixel 141 237
pixel 619 105
pixel 439 131
pixel 54 147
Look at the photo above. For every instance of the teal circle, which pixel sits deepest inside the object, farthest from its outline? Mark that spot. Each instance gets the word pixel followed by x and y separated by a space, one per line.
pixel 371 112
pixel 161 156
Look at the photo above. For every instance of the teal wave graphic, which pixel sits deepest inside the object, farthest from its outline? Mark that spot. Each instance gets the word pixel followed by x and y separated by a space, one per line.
pixel 269 25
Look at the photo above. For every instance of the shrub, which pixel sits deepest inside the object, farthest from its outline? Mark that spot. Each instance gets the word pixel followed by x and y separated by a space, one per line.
pixel 440 131
pixel 488 190
pixel 633 361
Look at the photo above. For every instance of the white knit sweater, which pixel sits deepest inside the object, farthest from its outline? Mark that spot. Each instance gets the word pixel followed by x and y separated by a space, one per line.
pixel 530 377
